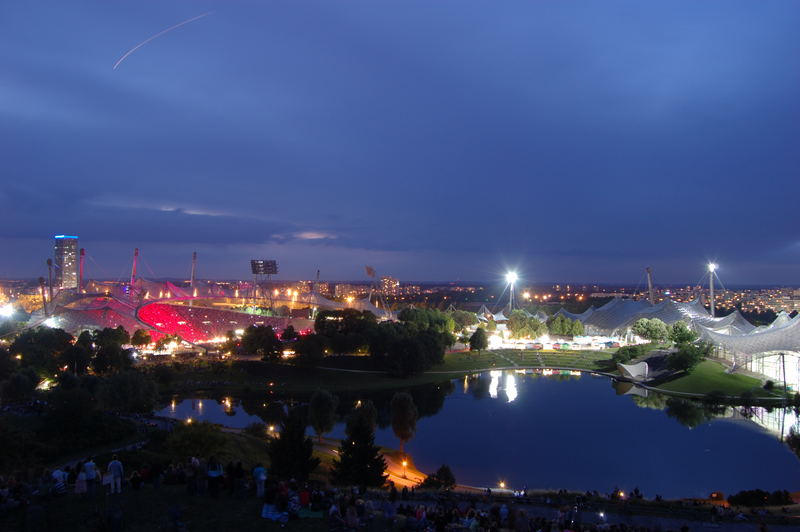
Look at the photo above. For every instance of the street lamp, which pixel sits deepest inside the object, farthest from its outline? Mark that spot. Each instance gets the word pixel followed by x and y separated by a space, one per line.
pixel 405 463
pixel 511 278
pixel 712 268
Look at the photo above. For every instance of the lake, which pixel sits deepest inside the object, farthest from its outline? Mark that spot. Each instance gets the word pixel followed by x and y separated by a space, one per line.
pixel 576 432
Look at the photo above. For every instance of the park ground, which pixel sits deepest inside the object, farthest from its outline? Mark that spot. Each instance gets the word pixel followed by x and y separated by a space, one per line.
pixel 349 373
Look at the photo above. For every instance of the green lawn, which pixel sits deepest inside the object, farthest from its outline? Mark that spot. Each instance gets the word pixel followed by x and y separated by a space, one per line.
pixel 710 376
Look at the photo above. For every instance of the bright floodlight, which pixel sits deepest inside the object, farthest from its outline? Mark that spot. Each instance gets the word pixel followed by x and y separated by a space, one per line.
pixel 712 267
pixel 6 311
pixel 50 322
pixel 511 277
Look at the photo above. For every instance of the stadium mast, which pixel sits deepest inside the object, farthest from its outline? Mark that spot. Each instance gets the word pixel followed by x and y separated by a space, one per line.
pixel 133 270
pixel 80 270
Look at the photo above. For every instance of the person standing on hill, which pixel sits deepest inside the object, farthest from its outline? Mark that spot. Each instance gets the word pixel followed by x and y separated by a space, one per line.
pixel 117 472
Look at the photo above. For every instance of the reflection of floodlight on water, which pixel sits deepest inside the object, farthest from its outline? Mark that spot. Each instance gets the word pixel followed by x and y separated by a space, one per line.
pixel 511 388
pixel 712 266
pixel 6 311
pixel 494 383
pixel 511 277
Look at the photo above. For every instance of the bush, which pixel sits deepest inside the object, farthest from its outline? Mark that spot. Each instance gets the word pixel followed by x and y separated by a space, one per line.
pixel 195 439
pixel 628 353
pixel 769 385
pixel 443 478
pixel 760 498
pixel 259 430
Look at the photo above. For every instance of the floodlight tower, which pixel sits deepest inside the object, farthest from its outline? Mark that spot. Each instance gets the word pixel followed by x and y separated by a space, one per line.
pixel 511 278
pixel 712 267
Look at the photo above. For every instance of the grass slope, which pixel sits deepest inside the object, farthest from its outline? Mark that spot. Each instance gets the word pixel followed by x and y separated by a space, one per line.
pixel 710 376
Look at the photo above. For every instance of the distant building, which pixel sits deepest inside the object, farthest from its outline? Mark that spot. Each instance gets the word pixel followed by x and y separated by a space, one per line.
pixel 350 290
pixel 390 286
pixel 66 261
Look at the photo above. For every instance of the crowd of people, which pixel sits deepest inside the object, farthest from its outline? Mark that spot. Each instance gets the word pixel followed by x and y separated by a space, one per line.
pixel 344 510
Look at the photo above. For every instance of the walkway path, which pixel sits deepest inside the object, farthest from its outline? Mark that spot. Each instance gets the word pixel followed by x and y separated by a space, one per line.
pixel 507 359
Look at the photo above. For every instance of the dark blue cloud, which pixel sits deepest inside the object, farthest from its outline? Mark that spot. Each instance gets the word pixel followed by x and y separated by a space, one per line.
pixel 585 140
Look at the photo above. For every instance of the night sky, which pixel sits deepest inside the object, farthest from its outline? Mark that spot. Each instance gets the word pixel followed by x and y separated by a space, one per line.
pixel 433 140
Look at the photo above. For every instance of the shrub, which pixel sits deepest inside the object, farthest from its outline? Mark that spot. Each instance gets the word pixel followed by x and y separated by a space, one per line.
pixel 628 353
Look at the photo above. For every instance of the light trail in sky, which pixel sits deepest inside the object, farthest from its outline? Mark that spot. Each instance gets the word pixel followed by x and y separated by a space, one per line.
pixel 157 35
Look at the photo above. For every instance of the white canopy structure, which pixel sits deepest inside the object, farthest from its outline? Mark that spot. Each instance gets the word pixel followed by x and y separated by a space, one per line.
pixel 637 372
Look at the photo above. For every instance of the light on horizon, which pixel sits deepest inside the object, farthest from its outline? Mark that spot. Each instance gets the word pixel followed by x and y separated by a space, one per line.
pixel 511 277
pixel 712 266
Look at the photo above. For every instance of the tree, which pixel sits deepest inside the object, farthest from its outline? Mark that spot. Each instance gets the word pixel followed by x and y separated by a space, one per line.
pixel 404 349
pixel 20 386
pixel 76 358
pixel 625 354
pixel 289 334
pixel 141 338
pixel 322 412
pixel 261 340
pixel 109 337
pixel 311 348
pixel 347 331
pixel 478 341
pixel 40 348
pixel 687 357
pixel 128 391
pixel 463 319
pixel 8 364
pixel 404 417
pixel 680 333
pixel 359 462
pixel 111 357
pixel 291 451
pixel 518 324
pixel 443 478
pixel 653 329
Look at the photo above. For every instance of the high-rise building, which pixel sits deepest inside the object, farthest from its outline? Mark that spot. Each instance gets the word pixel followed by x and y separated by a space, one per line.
pixel 390 286
pixel 66 261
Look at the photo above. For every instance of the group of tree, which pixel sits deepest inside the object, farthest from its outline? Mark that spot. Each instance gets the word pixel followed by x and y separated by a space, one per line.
pixel 261 340
pixel 521 325
pixel 405 349
pixel 346 331
pixel 652 329
pixel 761 498
pixel 443 478
pixel 562 326
pixel 625 354
pixel 48 350
pixel 687 356
pixel 462 320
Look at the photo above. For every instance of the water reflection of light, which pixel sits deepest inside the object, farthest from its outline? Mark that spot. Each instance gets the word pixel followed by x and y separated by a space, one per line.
pixel 494 384
pixel 511 387
pixel 466 384
pixel 172 405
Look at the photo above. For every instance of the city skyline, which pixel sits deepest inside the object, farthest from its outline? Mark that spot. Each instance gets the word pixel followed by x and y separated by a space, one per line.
pixel 573 145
